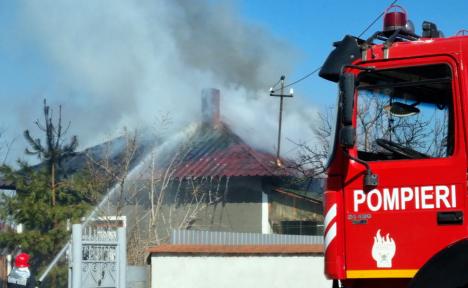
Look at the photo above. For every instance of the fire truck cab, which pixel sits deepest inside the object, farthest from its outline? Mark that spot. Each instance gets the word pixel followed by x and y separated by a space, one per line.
pixel 396 193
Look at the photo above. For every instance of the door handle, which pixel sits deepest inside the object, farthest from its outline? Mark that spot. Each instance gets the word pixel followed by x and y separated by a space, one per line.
pixel 450 218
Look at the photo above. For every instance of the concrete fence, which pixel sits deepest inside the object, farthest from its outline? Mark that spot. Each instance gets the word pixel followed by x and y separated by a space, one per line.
pixel 214 266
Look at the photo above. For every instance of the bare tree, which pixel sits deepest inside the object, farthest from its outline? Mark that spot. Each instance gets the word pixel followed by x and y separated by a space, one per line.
pixel 418 132
pixel 368 118
pixel 109 170
pixel 144 187
pixel 5 146
pixel 175 203
pixel 423 133
pixel 311 158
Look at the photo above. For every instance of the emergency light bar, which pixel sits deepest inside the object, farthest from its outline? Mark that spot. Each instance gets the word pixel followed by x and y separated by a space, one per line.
pixel 396 28
pixel 395 18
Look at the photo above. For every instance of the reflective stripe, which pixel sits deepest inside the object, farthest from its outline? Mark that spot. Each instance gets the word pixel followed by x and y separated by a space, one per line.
pixel 330 232
pixel 393 273
pixel 331 214
pixel 330 235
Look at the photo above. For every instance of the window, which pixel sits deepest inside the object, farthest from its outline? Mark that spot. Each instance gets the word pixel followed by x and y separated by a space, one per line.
pixel 405 113
pixel 298 228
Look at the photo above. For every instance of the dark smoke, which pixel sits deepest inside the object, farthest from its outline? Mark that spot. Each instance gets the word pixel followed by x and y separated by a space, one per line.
pixel 123 63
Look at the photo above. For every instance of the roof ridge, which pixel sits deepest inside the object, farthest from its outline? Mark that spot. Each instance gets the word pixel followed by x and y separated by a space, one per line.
pixel 249 149
pixel 253 152
pixel 220 150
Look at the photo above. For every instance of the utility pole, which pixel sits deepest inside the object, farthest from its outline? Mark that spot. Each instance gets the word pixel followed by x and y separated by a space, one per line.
pixel 281 95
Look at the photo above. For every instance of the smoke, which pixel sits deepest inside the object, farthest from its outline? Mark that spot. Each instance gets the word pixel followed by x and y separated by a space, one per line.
pixel 123 63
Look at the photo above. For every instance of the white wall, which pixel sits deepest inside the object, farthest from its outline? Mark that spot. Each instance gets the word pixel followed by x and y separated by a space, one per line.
pixel 234 271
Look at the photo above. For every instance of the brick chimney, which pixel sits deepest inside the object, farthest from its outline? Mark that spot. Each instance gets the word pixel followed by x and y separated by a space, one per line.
pixel 210 107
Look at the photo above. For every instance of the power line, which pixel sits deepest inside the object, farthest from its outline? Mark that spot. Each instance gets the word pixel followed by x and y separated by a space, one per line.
pixel 376 19
pixel 318 68
pixel 276 84
pixel 303 77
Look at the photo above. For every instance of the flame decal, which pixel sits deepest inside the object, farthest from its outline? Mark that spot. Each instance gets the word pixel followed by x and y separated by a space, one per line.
pixel 383 250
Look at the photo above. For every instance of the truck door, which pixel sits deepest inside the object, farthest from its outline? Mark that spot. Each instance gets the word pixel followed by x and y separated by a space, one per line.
pixel 409 131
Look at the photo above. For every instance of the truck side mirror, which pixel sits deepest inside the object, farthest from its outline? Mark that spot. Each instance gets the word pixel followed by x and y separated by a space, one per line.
pixel 347 136
pixel 347 87
pixel 347 132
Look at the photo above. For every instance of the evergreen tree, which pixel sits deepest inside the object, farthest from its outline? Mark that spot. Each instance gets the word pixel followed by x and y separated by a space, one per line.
pixel 45 201
pixel 54 151
pixel 44 225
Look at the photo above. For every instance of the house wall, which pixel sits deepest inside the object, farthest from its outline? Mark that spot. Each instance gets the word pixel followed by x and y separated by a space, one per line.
pixel 242 210
pixel 233 217
pixel 233 204
pixel 294 208
pixel 285 207
pixel 211 271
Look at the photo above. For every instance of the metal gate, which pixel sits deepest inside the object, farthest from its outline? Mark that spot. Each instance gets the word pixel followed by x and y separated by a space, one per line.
pixel 99 256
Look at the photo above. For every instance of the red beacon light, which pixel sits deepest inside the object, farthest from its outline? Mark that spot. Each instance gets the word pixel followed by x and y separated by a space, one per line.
pixel 395 18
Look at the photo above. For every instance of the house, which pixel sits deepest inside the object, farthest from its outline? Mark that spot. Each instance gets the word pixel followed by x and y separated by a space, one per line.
pixel 210 179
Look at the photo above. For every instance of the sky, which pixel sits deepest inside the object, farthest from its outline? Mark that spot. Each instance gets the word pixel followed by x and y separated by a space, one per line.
pixel 112 64
pixel 312 27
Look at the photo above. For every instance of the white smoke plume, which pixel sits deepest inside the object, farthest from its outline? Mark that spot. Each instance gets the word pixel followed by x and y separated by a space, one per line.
pixel 122 63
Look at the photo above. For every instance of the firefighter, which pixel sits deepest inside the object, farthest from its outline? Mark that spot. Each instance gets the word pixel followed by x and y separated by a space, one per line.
pixel 20 276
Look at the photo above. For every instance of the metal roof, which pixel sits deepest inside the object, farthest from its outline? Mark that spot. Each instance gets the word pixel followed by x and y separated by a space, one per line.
pixel 217 151
pixel 203 237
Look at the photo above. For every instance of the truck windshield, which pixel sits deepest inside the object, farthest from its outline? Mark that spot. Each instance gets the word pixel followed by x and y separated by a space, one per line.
pixel 405 113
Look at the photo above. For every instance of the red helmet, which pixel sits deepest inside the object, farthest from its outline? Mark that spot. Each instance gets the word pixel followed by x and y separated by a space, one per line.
pixel 22 260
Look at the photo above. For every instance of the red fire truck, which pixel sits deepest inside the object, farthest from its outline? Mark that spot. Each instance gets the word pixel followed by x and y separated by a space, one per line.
pixel 397 176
